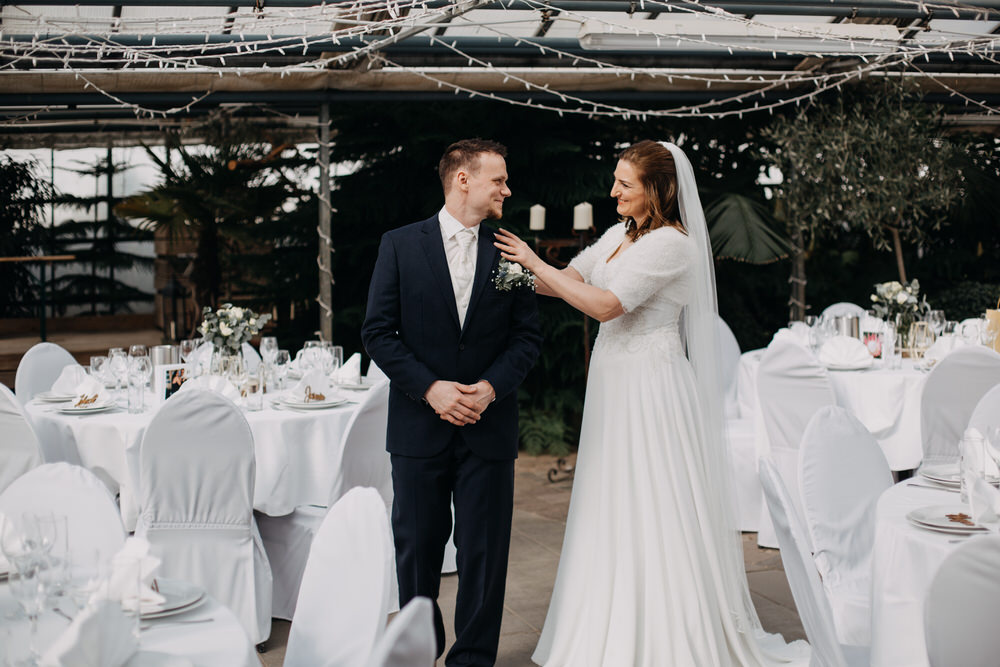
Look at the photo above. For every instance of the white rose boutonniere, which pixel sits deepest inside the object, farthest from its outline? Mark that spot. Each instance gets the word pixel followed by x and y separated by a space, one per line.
pixel 511 275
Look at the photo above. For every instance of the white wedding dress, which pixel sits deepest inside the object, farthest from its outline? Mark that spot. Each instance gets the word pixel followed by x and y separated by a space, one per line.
pixel 641 578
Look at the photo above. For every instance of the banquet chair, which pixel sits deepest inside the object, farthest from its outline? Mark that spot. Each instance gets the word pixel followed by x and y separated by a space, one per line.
pixel 842 308
pixel 344 603
pixel 962 606
pixel 409 640
pixel 952 389
pixel 803 579
pixel 39 368
pixel 196 484
pixel 739 430
pixel 20 449
pixel 375 373
pixel 93 524
pixel 791 387
pixel 213 383
pixel 842 472
pixel 986 416
pixel 363 462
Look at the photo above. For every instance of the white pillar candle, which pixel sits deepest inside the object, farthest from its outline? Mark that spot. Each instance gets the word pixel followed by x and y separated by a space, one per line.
pixel 583 216
pixel 537 220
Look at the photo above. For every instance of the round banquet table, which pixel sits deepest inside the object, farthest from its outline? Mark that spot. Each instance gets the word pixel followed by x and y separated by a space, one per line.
pixel 886 401
pixel 297 452
pixel 904 561
pixel 218 639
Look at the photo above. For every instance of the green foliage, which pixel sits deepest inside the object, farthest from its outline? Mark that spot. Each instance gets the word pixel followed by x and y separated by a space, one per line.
pixel 23 194
pixel 745 229
pixel 965 299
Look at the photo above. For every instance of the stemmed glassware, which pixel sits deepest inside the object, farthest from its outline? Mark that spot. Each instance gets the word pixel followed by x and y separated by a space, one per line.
pixel 936 320
pixel 188 347
pixel 99 369
pixel 25 542
pixel 268 348
pixel 118 367
pixel 139 372
pixel 281 360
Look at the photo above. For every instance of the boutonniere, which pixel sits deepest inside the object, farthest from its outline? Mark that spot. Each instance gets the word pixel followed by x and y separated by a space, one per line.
pixel 511 275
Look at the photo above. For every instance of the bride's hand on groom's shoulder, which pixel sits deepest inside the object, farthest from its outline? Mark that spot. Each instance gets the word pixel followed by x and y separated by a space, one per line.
pixel 453 402
pixel 514 249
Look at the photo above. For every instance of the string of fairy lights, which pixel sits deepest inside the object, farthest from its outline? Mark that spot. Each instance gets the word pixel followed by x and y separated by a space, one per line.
pixel 73 43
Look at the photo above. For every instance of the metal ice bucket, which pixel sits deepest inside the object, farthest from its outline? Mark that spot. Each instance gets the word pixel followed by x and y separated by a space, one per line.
pixel 847 325
pixel 165 354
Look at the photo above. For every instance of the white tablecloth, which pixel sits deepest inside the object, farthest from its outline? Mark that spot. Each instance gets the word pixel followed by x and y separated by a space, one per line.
pixel 297 452
pixel 904 562
pixel 220 641
pixel 886 401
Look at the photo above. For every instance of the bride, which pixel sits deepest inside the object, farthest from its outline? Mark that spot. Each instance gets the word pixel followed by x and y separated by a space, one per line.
pixel 651 572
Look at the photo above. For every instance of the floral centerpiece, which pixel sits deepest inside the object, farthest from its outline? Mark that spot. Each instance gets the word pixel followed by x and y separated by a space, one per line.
pixel 899 303
pixel 230 326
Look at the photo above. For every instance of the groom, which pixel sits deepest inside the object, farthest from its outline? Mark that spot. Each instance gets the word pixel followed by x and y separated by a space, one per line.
pixel 455 349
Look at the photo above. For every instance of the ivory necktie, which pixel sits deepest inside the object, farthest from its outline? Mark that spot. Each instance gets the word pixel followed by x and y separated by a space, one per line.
pixel 465 271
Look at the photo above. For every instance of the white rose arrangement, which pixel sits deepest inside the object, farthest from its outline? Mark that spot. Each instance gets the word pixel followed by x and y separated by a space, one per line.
pixel 511 275
pixel 899 301
pixel 230 326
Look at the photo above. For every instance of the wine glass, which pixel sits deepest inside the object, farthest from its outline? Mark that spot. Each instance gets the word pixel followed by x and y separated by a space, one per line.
pixel 139 372
pixel 188 346
pixel 268 348
pixel 281 361
pixel 118 367
pixel 99 369
pixel 936 320
pixel 138 351
pixel 26 586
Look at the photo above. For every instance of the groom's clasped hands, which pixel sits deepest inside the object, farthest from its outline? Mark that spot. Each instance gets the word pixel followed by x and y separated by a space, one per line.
pixel 458 403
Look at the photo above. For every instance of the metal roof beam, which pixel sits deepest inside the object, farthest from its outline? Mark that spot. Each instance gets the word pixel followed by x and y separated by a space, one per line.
pixel 972 9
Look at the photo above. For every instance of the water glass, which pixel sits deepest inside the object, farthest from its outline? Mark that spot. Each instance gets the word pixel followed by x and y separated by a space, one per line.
pixel 118 367
pixel 936 320
pixel 140 371
pixel 99 369
pixel 950 327
pixel 253 390
pixel 25 584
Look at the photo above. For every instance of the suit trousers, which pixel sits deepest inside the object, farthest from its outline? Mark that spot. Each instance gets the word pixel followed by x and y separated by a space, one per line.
pixel 483 494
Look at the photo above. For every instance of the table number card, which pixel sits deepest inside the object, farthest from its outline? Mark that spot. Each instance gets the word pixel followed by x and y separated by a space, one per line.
pixel 167 379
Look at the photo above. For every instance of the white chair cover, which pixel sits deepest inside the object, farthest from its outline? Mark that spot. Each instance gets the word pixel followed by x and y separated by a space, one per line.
pixel 375 373
pixel 251 357
pixel 791 388
pixel 92 519
pixel 739 432
pixel 953 388
pixel 409 640
pixel 20 450
pixel 843 472
pixel 807 591
pixel 39 368
pixel 344 602
pixel 962 607
pixel 196 482
pixel 364 462
pixel 843 308
pixel 986 416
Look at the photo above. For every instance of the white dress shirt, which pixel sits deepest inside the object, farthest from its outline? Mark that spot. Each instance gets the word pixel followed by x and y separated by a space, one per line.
pixel 461 258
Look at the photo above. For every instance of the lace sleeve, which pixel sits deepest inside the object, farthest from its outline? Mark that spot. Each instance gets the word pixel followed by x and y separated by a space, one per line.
pixel 588 258
pixel 658 260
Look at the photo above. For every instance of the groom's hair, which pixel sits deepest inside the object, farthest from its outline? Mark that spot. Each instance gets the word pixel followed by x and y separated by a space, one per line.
pixel 465 154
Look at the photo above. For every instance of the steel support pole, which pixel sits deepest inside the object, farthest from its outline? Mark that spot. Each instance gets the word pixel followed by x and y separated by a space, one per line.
pixel 325 249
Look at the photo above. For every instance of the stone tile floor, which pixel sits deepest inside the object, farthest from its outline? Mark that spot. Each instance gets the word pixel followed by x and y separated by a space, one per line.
pixel 539 521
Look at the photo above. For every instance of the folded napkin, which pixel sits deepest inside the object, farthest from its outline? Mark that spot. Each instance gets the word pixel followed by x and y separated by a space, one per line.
pixel 314 386
pixel 942 347
pixel 71 376
pixel 101 634
pixel 131 582
pixel 350 372
pixel 216 383
pixel 984 501
pixel 89 392
pixel 845 351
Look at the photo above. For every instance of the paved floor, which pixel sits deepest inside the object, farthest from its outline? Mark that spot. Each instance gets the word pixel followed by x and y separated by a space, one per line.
pixel 539 521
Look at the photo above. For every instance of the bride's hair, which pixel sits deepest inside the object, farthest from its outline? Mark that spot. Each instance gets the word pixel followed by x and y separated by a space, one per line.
pixel 658 174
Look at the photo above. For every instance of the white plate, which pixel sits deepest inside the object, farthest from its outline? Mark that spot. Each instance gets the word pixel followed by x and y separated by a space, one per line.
pixel 942 473
pixel 312 405
pixel 935 517
pixel 181 596
pixel 49 397
pixel 87 409
pixel 849 367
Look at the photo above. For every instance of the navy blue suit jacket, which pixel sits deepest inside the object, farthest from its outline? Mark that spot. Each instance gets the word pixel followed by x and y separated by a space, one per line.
pixel 412 332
